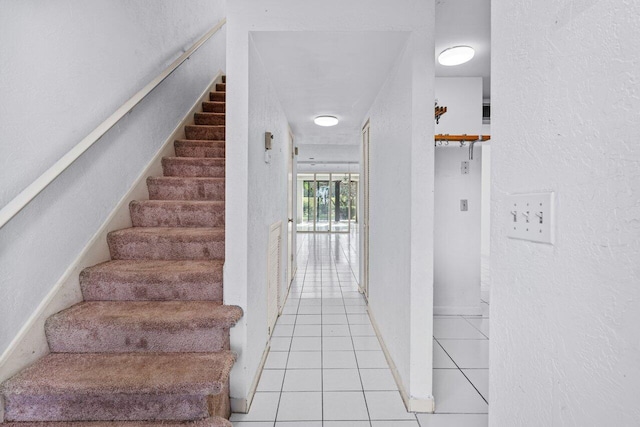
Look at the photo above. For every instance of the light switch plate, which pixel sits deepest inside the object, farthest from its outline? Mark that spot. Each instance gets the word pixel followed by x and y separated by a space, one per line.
pixel 464 205
pixel 531 217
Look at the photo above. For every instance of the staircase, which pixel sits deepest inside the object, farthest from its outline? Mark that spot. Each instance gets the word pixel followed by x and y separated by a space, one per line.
pixel 149 345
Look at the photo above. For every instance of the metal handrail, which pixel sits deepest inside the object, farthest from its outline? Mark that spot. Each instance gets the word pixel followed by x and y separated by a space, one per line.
pixel 28 194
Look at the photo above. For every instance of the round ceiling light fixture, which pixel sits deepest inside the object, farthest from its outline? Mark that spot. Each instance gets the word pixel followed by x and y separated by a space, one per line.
pixel 456 55
pixel 326 121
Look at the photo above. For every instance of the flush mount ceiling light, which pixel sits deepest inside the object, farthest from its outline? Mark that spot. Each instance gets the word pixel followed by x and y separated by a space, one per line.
pixel 325 121
pixel 456 55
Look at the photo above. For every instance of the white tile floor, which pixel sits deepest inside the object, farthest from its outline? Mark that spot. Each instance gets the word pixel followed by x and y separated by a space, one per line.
pixel 326 366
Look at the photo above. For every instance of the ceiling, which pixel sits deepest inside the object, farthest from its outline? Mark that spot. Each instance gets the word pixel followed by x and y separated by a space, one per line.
pixel 328 73
pixel 341 73
pixel 465 22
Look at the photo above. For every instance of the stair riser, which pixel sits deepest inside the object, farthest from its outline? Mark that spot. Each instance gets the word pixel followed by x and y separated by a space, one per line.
pixel 210 119
pixel 109 338
pixel 213 107
pixel 83 407
pixel 217 96
pixel 221 87
pixel 192 170
pixel 182 216
pixel 211 133
pixel 210 152
pixel 151 287
pixel 193 190
pixel 154 248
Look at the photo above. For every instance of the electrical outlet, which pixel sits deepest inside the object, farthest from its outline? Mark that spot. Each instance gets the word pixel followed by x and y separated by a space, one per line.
pixel 464 206
pixel 531 217
pixel 465 168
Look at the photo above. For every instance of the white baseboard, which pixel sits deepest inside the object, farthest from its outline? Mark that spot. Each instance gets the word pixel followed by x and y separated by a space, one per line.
pixel 242 405
pixel 445 310
pixel 426 405
pixel 30 344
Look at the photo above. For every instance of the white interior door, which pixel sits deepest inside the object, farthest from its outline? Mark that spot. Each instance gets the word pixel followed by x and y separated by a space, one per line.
pixel 364 285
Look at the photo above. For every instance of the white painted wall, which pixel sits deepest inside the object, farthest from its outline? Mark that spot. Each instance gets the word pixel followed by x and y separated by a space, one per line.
pixel 66 66
pixel 343 167
pixel 330 152
pixel 564 319
pixel 485 237
pixel 485 227
pixel 357 15
pixel 401 216
pixel 463 98
pixel 267 202
pixel 457 233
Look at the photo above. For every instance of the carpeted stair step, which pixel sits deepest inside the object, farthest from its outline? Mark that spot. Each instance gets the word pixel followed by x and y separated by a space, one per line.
pixel 177 213
pixel 153 281
pixel 125 386
pixel 167 243
pixel 212 133
pixel 208 422
pixel 217 96
pixel 216 119
pixel 142 326
pixel 193 167
pixel 176 188
pixel 214 107
pixel 221 87
pixel 195 148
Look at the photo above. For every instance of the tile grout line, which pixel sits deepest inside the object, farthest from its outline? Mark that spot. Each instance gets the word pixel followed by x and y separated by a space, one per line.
pixel 476 328
pixel 288 354
pixel 461 371
pixel 364 396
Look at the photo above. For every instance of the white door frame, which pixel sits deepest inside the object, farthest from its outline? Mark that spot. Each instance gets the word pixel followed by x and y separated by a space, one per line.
pixel 291 208
pixel 364 176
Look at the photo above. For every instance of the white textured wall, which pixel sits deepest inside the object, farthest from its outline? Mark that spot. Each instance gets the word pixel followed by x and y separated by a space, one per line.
pixel 389 215
pixel 565 343
pixel 485 232
pixel 457 233
pixel 66 66
pixel 267 204
pixel 335 15
pixel 401 220
pixel 456 283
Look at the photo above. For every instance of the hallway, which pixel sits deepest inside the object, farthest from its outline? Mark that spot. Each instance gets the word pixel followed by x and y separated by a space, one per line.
pixel 326 366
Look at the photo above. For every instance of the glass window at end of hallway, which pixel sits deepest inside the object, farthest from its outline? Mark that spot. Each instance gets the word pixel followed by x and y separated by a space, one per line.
pixel 327 202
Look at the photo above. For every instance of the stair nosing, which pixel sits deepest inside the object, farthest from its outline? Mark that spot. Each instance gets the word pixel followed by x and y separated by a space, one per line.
pixel 14 386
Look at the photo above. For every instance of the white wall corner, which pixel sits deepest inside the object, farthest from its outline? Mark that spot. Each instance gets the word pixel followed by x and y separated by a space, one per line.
pixel 239 405
pixel 30 343
pixel 238 381
pixel 242 405
pixel 412 404
pixel 422 220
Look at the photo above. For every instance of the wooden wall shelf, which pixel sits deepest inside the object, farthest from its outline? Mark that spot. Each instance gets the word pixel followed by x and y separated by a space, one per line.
pixel 469 138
